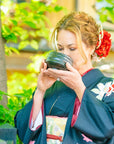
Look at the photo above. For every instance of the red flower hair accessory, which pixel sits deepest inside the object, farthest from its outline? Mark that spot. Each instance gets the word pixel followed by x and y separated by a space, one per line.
pixel 103 44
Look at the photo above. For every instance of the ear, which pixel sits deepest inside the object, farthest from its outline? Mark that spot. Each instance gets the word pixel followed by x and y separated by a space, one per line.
pixel 92 49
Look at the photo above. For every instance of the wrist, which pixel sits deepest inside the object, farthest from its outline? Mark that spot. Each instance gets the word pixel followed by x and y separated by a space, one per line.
pixel 80 91
pixel 40 91
pixel 39 94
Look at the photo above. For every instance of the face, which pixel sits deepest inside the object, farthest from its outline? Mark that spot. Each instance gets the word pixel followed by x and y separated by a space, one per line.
pixel 67 44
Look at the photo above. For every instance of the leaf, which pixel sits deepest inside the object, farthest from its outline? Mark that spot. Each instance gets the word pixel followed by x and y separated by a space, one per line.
pixel 25 12
pixel 27 92
pixel 31 24
pixel 14 22
pixel 40 12
pixel 20 95
pixel 11 103
pixel 3 93
pixel 32 33
pixel 45 19
pixel 58 8
pixel 34 44
pixel 110 14
pixel 24 35
pixel 103 17
pixel 12 37
pixel 23 44
pixel 14 50
pixel 6 29
pixel 111 2
pixel 1 97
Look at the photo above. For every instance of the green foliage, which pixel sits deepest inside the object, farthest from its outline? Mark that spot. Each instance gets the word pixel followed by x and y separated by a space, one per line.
pixel 10 50
pixel 26 23
pixel 15 103
pixel 18 81
pixel 7 34
pixel 20 89
pixel 20 92
pixel 34 66
pixel 105 10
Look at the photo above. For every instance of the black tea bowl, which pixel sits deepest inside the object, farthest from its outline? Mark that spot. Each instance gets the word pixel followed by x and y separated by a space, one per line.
pixel 58 60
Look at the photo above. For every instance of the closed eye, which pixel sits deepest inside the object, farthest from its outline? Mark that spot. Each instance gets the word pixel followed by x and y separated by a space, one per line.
pixel 72 49
pixel 60 48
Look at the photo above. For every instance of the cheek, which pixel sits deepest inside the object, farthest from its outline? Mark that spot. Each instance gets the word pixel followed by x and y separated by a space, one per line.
pixel 77 60
pixel 75 56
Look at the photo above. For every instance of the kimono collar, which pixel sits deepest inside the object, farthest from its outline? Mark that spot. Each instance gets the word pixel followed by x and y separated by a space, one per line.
pixel 91 77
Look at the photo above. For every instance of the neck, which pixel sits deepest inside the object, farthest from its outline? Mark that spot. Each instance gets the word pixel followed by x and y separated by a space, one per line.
pixel 85 67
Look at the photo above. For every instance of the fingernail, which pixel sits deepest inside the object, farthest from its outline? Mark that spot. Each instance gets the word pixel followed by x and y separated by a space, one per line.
pixel 68 63
pixel 41 70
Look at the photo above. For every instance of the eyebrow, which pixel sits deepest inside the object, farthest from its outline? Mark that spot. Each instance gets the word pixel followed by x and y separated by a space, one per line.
pixel 67 45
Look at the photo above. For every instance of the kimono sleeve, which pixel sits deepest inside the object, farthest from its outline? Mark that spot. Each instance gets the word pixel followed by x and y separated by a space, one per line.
pixel 96 117
pixel 39 119
pixel 21 121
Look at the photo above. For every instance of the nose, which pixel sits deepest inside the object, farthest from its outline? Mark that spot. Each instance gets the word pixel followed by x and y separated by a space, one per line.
pixel 66 52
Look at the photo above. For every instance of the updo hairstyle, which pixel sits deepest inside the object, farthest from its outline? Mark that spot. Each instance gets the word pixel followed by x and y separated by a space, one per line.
pixel 82 25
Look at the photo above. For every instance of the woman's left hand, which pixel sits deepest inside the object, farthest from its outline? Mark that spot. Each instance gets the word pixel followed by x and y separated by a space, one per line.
pixel 71 78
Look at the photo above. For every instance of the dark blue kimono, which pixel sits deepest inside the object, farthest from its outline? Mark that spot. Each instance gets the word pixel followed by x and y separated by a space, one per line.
pixel 95 119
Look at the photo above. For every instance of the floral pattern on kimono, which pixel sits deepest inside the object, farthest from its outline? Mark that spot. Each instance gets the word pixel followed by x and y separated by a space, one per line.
pixel 104 89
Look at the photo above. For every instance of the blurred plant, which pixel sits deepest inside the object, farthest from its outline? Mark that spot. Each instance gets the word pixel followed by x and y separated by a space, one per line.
pixel 15 103
pixel 105 10
pixel 26 23
pixel 34 66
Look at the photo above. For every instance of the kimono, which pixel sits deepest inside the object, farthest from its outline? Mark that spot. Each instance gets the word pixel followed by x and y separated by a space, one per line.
pixel 94 123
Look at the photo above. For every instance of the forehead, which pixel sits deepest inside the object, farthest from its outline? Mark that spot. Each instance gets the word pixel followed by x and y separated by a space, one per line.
pixel 66 37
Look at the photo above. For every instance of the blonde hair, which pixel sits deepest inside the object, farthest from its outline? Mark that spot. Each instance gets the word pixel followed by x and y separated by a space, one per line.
pixel 82 25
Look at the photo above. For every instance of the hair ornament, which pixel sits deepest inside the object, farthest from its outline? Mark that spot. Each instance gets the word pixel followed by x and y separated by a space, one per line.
pixel 103 44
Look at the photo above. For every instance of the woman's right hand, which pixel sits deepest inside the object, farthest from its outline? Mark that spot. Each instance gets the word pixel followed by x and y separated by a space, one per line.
pixel 44 80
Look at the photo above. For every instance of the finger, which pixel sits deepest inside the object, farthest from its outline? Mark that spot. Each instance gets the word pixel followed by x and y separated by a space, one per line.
pixel 45 66
pixel 50 74
pixel 42 70
pixel 57 72
pixel 69 67
pixel 62 79
pixel 42 64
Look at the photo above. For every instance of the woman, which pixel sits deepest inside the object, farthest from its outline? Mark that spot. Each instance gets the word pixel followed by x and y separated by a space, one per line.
pixel 79 108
